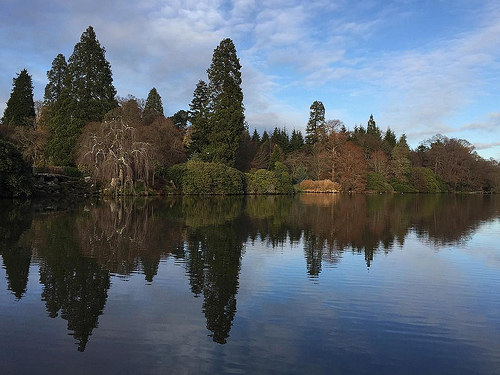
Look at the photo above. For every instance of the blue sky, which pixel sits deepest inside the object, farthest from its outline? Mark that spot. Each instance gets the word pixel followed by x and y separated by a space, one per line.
pixel 421 67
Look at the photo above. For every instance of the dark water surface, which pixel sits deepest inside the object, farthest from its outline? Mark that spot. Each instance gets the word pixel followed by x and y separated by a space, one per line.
pixel 312 284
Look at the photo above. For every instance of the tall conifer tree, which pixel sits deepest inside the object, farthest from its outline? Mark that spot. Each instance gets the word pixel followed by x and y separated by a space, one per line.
pixel 20 108
pixel 87 95
pixel 227 117
pixel 153 102
pixel 56 76
pixel 199 118
pixel 315 129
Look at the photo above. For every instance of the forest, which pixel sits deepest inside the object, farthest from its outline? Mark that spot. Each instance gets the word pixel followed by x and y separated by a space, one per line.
pixel 126 145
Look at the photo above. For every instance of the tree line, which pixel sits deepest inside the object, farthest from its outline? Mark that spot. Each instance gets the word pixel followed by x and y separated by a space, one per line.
pixel 82 123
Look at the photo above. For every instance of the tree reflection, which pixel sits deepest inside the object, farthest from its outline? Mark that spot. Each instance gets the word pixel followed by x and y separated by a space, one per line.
pixel 213 261
pixel 15 219
pixel 77 250
pixel 74 286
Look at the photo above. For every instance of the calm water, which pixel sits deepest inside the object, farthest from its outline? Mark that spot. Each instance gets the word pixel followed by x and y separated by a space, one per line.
pixel 307 284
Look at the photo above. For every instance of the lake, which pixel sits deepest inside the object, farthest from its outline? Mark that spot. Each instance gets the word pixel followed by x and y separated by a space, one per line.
pixel 310 284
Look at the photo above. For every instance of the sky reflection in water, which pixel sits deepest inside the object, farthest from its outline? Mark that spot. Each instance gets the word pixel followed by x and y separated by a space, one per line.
pixel 305 284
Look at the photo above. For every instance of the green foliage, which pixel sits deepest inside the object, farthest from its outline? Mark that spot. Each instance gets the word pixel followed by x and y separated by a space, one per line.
pixel 402 186
pixel 175 174
pixel 180 119
pixel 56 76
pixel 372 128
pixel 153 102
pixel 400 159
pixel 227 119
pixel 315 129
pixel 296 140
pixel 212 178
pixel 280 138
pixel 199 118
pixel 426 181
pixel 255 137
pixel 88 94
pixel 377 183
pixel 276 156
pixel 20 108
pixel 263 181
pixel 89 79
pixel 15 172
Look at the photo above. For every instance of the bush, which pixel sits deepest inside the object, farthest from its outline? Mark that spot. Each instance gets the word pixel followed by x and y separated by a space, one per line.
pixel 212 178
pixel 174 174
pixel 402 186
pixel 426 181
pixel 377 183
pixel 16 177
pixel 319 186
pixel 263 181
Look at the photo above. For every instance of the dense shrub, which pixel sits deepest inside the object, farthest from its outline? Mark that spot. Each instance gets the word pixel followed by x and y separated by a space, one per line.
pixel 320 186
pixel 402 186
pixel 377 183
pixel 174 174
pixel 15 173
pixel 263 181
pixel 212 178
pixel 426 181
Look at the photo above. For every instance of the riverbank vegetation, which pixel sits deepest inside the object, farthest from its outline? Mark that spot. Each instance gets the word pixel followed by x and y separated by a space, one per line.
pixel 128 145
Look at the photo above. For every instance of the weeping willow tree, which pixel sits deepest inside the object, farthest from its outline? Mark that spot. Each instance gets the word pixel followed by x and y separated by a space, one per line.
pixel 122 150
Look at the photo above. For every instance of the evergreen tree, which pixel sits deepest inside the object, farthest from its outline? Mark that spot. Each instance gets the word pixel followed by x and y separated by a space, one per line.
pixel 88 94
pixel 296 141
pixel 373 129
pixel 153 102
pixel 280 137
pixel 56 76
pixel 89 79
pixel 315 129
pixel 400 159
pixel 180 119
pixel 390 137
pixel 20 108
pixel 226 99
pixel 265 137
pixel 255 137
pixel 199 118
pixel 276 156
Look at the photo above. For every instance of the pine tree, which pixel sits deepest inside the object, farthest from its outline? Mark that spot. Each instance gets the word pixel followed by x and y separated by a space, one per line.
pixel 20 108
pixel 296 141
pixel 390 138
pixel 199 118
pixel 180 119
pixel 265 137
pixel 88 94
pixel 315 129
pixel 400 159
pixel 255 137
pixel 372 128
pixel 153 102
pixel 276 156
pixel 226 103
pixel 89 79
pixel 56 76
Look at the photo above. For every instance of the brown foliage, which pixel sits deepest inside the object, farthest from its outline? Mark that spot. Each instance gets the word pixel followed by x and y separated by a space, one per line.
pixel 320 186
pixel 123 150
pixel 30 141
pixel 351 168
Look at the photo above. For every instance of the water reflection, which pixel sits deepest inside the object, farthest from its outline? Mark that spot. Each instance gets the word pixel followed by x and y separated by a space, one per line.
pixel 78 250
